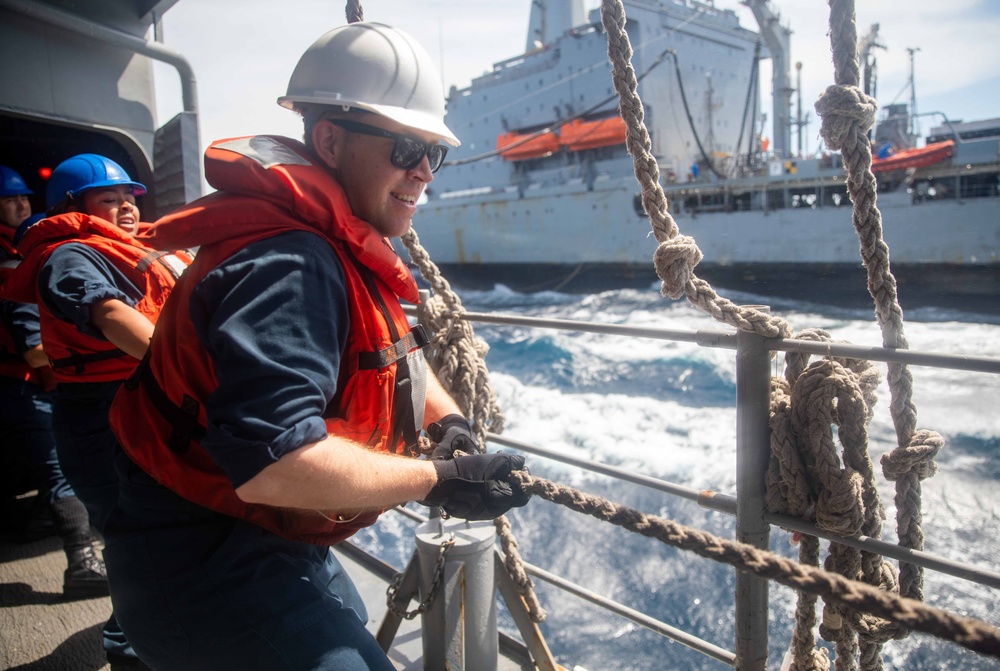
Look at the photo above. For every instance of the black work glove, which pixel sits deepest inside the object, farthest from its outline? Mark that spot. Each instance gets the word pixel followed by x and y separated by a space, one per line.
pixel 477 486
pixel 452 433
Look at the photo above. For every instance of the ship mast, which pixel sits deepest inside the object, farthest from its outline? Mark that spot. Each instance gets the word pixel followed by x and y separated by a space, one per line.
pixel 914 129
pixel 869 64
pixel 777 39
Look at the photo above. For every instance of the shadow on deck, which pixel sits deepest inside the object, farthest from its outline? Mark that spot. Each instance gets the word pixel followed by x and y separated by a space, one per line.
pixel 39 630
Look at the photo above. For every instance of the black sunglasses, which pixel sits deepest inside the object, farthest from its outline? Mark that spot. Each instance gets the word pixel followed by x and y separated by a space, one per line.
pixel 408 151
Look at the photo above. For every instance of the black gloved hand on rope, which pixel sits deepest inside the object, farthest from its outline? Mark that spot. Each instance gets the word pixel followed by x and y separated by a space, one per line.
pixel 452 433
pixel 477 486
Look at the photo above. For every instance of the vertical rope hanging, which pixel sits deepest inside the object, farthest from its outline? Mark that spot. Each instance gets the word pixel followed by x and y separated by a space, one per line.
pixel 354 11
pixel 847 115
pixel 457 357
pixel 677 255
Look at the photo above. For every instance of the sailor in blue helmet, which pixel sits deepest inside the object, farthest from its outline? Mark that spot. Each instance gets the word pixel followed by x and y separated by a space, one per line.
pixel 84 182
pixel 26 406
pixel 14 204
pixel 98 291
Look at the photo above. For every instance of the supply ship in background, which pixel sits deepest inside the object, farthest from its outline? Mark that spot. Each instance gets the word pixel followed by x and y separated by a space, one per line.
pixel 542 188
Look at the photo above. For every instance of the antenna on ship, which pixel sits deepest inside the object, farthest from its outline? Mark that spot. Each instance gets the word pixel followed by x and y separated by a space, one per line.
pixel 914 129
pixel 710 106
pixel 800 121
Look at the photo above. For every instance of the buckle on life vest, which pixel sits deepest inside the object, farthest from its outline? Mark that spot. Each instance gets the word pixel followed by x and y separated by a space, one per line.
pixel 79 361
pixel 182 418
pixel 415 339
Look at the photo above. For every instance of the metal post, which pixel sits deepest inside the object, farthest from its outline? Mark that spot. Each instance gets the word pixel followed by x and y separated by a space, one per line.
pixel 460 626
pixel 752 454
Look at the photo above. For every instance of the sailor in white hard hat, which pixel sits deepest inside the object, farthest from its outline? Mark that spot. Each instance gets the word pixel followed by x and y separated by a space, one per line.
pixel 280 406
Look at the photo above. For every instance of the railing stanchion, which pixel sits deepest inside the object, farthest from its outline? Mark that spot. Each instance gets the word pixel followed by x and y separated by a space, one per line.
pixel 459 626
pixel 752 453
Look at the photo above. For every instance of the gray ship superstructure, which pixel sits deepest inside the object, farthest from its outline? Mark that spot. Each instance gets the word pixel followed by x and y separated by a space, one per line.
pixel 525 189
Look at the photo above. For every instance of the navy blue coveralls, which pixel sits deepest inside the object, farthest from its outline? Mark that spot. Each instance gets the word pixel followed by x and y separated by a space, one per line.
pixel 199 591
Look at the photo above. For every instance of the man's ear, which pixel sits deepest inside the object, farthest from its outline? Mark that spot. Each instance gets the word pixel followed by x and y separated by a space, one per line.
pixel 327 143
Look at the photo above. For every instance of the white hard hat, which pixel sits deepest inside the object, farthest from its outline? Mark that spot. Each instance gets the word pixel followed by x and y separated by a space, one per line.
pixel 374 67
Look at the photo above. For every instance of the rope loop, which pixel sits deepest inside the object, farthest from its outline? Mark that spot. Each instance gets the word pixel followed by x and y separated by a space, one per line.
pixel 675 260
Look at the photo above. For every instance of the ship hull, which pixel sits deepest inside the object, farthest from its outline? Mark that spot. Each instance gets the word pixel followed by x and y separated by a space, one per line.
pixel 601 226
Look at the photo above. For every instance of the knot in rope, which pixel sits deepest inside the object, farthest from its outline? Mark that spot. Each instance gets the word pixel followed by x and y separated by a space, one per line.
pixel 675 260
pixel 839 509
pixel 846 110
pixel 916 458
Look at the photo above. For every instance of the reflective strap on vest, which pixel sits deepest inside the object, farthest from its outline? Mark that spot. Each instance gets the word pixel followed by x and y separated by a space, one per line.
pixel 403 416
pixel 415 339
pixel 173 265
pixel 79 361
pixel 411 381
pixel 183 418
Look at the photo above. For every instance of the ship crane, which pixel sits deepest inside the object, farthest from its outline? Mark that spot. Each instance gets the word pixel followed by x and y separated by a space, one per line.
pixel 777 38
pixel 865 46
pixel 869 64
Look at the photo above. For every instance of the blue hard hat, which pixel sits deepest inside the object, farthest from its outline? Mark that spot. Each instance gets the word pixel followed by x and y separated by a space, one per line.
pixel 12 183
pixel 84 172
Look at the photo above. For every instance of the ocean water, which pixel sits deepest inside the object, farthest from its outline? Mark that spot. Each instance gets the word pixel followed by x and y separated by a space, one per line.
pixel 667 410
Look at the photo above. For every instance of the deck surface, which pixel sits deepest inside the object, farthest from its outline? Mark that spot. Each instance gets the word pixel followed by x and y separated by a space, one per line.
pixel 39 631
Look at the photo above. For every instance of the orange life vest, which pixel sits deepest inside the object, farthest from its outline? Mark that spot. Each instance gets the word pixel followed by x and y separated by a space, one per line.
pixel 267 186
pixel 12 364
pixel 74 356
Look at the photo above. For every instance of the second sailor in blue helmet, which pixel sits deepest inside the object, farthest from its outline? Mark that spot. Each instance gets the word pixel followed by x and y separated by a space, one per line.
pixel 99 291
pixel 97 186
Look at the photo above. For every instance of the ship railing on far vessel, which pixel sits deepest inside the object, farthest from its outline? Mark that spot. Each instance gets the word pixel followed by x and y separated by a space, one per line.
pixel 753 376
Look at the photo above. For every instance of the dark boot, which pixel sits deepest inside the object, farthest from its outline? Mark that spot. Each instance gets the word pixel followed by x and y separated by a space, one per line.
pixel 85 575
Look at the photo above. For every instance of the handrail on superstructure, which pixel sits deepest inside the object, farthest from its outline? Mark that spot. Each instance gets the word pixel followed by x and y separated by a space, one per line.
pixel 77 24
pixel 753 521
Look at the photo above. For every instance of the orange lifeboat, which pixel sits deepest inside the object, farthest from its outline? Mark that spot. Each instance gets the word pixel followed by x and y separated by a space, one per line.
pixel 522 146
pixel 915 158
pixel 578 135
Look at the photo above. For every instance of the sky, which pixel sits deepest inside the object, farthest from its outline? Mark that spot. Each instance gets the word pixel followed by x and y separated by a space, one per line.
pixel 243 52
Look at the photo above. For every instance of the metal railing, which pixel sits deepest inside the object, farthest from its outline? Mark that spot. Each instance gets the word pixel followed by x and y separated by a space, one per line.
pixel 753 522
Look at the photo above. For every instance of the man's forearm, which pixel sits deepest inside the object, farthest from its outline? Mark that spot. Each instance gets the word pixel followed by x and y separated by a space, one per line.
pixel 335 474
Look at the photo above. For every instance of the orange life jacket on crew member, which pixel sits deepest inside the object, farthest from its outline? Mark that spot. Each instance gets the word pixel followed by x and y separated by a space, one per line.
pixel 12 364
pixel 76 357
pixel 267 186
